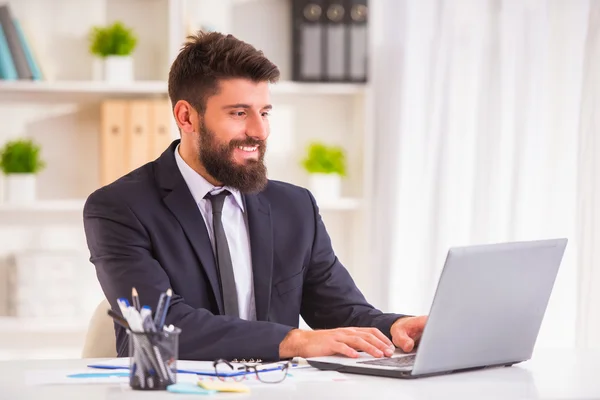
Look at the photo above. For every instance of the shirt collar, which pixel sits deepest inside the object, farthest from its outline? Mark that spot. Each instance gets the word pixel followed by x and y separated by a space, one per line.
pixel 199 186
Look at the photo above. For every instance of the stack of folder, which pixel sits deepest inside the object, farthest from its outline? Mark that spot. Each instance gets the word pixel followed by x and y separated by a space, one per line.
pixel 133 132
pixel 329 40
pixel 17 61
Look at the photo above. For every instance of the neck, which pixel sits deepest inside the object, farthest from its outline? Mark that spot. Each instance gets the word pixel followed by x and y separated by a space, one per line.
pixel 191 158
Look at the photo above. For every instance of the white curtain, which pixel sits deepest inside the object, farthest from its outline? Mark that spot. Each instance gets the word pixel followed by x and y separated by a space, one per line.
pixel 484 115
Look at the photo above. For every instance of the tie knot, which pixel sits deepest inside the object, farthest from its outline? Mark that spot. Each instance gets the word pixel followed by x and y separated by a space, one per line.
pixel 217 200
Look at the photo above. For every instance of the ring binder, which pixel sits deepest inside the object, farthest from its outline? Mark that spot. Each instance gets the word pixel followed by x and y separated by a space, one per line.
pixel 329 40
pixel 307 40
pixel 358 55
pixel 336 43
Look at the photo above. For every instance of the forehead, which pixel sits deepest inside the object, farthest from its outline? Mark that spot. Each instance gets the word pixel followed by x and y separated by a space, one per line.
pixel 240 90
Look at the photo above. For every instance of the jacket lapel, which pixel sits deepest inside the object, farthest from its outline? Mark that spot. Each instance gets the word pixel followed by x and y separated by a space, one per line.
pixel 261 246
pixel 180 201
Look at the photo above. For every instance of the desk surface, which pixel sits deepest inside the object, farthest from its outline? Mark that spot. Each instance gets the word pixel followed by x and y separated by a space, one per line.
pixel 548 375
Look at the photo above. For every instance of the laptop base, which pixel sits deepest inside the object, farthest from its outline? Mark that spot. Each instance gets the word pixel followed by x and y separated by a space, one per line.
pixel 395 373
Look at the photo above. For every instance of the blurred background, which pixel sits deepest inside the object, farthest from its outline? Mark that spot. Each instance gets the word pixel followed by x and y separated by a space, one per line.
pixel 418 125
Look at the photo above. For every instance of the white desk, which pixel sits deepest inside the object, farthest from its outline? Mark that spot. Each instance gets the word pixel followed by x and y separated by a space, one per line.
pixel 549 375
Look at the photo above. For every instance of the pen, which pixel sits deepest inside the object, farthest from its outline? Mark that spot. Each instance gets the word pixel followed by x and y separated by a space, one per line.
pixel 165 309
pixel 159 310
pixel 118 319
pixel 135 299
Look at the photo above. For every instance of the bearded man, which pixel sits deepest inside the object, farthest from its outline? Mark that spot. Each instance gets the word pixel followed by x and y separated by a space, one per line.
pixel 244 256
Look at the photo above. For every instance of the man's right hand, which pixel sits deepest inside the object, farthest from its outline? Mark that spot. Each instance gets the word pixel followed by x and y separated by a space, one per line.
pixel 344 341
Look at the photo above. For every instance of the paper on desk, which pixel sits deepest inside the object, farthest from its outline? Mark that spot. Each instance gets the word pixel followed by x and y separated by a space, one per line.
pixel 182 365
pixel 58 377
pixel 123 362
pixel 94 376
pixel 301 373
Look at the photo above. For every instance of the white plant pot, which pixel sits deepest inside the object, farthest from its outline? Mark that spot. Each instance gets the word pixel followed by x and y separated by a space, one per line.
pixel 325 187
pixel 20 188
pixel 118 69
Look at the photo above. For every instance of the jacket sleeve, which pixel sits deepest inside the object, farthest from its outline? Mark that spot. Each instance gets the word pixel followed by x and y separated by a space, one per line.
pixel 331 298
pixel 121 252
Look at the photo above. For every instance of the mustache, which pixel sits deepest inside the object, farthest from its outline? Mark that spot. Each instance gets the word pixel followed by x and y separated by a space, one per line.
pixel 249 142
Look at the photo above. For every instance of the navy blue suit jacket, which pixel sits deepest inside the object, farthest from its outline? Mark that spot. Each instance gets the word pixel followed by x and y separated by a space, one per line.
pixel 145 230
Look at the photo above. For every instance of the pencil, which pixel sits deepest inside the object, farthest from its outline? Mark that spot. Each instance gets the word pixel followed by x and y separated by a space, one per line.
pixel 135 299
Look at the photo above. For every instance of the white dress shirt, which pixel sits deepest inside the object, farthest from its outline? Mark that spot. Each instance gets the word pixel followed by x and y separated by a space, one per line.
pixel 235 228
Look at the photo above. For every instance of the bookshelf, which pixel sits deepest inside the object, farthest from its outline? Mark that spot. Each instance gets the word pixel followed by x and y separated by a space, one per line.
pixel 94 91
pixel 63 114
pixel 75 90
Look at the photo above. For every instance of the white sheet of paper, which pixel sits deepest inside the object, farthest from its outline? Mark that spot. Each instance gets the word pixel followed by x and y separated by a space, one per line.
pixel 299 375
pixel 194 366
pixel 302 373
pixel 62 377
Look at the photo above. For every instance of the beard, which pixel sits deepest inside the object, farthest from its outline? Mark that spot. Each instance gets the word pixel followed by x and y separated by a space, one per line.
pixel 217 159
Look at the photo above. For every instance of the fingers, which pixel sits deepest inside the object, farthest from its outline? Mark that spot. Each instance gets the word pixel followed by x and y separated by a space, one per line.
pixel 405 342
pixel 361 344
pixel 381 336
pixel 385 346
pixel 344 349
pixel 348 341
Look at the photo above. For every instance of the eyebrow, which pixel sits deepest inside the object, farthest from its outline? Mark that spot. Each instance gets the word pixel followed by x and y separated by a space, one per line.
pixel 242 105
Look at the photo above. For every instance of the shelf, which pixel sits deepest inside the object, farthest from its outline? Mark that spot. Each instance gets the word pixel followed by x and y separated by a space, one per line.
pixel 315 88
pixel 42 212
pixel 95 90
pixel 77 90
pixel 339 205
pixel 44 206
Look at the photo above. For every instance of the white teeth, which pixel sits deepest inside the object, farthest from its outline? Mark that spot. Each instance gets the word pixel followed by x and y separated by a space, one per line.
pixel 248 148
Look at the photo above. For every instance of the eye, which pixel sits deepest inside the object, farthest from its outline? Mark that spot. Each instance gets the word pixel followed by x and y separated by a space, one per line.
pixel 265 114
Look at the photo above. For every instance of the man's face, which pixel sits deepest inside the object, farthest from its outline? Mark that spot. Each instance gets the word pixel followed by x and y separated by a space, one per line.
pixel 233 133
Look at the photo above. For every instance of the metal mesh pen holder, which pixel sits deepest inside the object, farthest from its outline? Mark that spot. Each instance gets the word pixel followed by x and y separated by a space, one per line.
pixel 153 359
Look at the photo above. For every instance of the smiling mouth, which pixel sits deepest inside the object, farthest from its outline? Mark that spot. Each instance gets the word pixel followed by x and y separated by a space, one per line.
pixel 249 149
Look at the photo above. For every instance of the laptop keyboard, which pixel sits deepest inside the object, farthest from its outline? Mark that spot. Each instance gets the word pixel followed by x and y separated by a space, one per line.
pixel 404 361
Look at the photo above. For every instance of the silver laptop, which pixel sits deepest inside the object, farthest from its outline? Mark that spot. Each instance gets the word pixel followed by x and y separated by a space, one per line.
pixel 486 312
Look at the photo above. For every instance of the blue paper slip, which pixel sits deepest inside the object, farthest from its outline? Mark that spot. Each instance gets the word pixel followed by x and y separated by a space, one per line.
pixel 188 388
pixel 99 375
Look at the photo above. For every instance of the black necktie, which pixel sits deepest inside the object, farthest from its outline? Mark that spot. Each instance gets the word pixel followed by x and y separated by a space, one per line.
pixel 224 264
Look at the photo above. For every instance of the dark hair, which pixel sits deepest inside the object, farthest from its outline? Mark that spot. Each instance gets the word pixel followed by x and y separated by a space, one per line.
pixel 206 58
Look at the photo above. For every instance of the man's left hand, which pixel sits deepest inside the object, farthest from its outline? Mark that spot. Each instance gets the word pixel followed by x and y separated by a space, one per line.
pixel 407 331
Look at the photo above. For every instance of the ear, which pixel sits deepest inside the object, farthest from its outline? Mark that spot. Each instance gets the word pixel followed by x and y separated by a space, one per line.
pixel 186 117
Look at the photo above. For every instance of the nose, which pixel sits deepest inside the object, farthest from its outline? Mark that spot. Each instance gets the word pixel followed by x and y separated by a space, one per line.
pixel 257 128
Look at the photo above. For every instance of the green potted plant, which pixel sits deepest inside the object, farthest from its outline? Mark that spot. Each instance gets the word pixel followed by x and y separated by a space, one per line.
pixel 326 165
pixel 114 45
pixel 20 161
